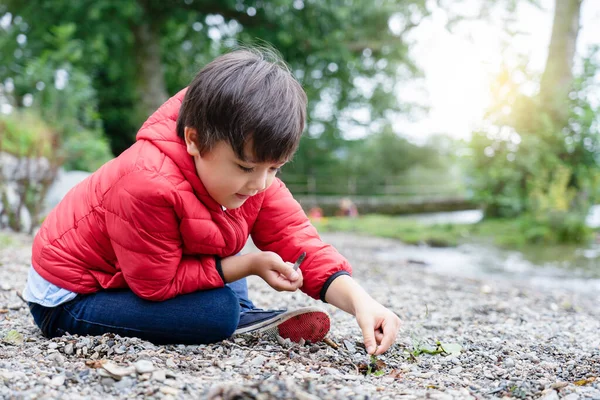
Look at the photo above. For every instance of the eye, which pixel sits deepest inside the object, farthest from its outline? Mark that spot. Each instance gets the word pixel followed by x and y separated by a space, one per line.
pixel 245 169
pixel 276 170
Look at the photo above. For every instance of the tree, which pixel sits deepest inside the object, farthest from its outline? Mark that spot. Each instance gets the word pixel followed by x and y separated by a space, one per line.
pixel 539 160
pixel 557 80
pixel 139 51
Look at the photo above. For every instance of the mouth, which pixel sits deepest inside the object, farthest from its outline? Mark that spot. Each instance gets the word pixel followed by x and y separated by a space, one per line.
pixel 242 196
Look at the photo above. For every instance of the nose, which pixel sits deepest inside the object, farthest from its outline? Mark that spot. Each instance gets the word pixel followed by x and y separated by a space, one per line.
pixel 258 182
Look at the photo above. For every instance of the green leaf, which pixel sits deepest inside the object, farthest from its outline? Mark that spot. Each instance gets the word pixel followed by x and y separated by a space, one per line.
pixel 451 348
pixel 13 337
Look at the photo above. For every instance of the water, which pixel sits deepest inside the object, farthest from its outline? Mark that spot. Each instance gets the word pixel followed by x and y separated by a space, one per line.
pixel 573 267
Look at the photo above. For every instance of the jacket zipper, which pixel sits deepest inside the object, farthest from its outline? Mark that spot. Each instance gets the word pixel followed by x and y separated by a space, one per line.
pixel 235 225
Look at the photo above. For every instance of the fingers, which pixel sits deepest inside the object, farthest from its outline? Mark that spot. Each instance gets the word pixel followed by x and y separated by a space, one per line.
pixel 369 336
pixel 287 270
pixel 388 332
pixel 279 282
pixel 378 336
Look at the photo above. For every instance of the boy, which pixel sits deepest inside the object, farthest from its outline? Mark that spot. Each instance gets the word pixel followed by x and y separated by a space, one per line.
pixel 147 245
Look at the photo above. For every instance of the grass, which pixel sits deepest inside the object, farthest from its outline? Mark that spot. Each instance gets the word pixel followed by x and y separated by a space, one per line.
pixel 6 240
pixel 507 233
pixel 396 228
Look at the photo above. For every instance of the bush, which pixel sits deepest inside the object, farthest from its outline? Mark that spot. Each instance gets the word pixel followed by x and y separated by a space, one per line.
pixel 86 151
pixel 30 158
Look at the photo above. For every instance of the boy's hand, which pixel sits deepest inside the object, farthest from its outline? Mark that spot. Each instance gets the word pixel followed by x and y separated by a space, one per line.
pixel 279 274
pixel 379 326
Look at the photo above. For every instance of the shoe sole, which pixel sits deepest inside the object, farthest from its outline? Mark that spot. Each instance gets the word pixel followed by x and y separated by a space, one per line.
pixel 309 323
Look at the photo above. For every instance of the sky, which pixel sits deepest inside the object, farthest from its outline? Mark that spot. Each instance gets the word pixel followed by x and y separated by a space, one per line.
pixel 460 66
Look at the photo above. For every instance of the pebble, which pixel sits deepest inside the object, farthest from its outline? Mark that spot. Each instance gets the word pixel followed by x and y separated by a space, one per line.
pixel 58 380
pixel 258 360
pixel 511 338
pixel 143 366
pixel 69 349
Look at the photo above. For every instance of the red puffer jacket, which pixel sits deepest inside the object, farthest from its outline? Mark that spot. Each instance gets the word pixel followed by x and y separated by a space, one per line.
pixel 145 221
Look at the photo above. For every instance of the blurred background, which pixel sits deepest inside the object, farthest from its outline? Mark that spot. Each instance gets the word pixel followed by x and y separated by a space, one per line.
pixel 468 128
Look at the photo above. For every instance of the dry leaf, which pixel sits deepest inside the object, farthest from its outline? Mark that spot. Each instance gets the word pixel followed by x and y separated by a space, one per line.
pixel 95 363
pixel 586 381
pixel 396 374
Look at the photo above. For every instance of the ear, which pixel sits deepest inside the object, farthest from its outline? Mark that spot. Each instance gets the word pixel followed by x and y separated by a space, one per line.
pixel 191 136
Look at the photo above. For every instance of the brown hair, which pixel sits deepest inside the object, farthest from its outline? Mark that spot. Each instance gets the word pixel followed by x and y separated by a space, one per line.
pixel 248 94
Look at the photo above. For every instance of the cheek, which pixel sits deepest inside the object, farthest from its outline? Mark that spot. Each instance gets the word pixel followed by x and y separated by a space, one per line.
pixel 270 180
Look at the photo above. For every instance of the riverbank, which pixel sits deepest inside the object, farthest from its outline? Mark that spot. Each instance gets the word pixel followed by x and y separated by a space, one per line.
pixel 516 341
pixel 423 229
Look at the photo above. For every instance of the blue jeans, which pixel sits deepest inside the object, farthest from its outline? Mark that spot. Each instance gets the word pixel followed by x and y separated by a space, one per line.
pixel 196 318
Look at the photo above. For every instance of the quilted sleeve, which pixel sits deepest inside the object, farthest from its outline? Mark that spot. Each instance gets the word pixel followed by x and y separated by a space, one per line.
pixel 144 231
pixel 282 227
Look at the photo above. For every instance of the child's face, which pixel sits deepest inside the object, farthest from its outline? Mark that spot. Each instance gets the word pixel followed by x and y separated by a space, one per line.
pixel 228 179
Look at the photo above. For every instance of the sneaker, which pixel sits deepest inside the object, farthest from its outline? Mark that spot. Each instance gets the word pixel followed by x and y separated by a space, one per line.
pixel 308 323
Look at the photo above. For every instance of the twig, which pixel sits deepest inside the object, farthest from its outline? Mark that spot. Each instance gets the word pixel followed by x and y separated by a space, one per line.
pixel 20 296
pixel 331 343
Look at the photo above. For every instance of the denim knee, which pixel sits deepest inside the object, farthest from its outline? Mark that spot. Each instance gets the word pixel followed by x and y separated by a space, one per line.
pixel 231 314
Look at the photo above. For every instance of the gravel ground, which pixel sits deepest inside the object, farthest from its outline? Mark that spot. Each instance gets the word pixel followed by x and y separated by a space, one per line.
pixel 516 342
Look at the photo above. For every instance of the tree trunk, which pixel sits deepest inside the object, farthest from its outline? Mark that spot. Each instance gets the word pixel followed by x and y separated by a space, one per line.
pixel 558 75
pixel 151 87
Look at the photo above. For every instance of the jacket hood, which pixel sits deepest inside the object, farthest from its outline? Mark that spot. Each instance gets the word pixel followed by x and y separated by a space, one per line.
pixel 161 130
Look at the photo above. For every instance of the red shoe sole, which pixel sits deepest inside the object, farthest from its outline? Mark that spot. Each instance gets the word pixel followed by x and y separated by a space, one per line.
pixel 311 327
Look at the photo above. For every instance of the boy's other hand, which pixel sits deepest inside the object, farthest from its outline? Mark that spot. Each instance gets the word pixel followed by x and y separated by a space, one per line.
pixel 280 275
pixel 379 326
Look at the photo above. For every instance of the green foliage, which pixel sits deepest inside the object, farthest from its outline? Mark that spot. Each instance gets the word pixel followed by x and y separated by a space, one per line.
pixel 330 46
pixel 25 134
pixel 525 163
pixel 61 98
pixel 86 151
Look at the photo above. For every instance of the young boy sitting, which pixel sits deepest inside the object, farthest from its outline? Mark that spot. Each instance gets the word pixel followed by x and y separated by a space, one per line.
pixel 148 245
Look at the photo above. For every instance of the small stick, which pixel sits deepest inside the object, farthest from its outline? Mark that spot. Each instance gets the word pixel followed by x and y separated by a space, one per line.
pixel 299 261
pixel 331 343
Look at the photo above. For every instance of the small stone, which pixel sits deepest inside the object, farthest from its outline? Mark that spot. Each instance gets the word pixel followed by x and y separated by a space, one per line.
pixel 171 364
pixel 280 340
pixel 108 382
pixel 314 348
pixel 169 390
pixel 330 371
pixel 456 371
pixel 117 371
pixel 69 349
pixel 58 380
pixel 144 366
pixel 549 394
pixel 53 345
pixel 121 350
pixel 125 383
pixel 509 362
pixel 486 289
pixel 350 346
pixel 259 360
pixel 159 375
pixel 57 358
pixel 559 385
